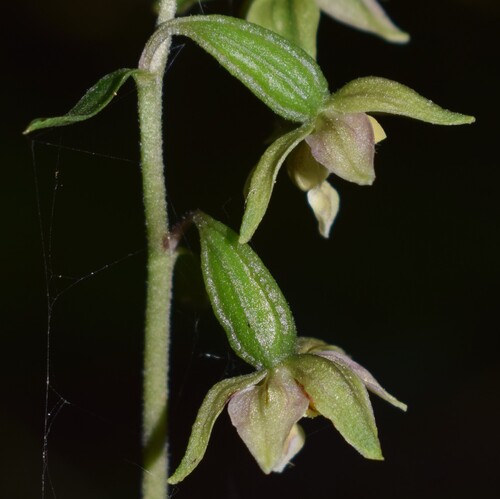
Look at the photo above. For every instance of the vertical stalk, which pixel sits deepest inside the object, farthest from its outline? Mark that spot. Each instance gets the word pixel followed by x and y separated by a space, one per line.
pixel 160 266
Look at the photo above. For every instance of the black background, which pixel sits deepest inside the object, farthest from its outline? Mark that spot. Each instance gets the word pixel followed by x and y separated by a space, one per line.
pixel 407 284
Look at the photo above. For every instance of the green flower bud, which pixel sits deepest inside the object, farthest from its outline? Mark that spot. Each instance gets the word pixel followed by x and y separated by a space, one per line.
pixel 244 296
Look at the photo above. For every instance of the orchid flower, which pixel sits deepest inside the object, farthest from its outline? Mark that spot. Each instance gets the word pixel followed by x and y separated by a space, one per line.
pixel 266 405
pixel 293 377
pixel 339 140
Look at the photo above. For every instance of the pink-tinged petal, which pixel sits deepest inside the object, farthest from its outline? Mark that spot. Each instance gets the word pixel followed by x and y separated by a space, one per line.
pixel 370 382
pixel 265 417
pixel 345 145
pixel 210 409
pixel 339 395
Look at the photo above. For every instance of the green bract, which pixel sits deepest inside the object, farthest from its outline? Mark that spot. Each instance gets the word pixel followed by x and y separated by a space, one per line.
pixel 340 140
pixel 245 298
pixel 279 73
pixel 295 377
pixel 94 101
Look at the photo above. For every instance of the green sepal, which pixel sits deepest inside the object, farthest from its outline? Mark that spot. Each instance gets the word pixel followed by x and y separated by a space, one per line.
pixel 373 94
pixel 264 176
pixel 295 20
pixel 338 394
pixel 372 385
pixel 93 102
pixel 212 406
pixel 244 296
pixel 366 15
pixel 279 73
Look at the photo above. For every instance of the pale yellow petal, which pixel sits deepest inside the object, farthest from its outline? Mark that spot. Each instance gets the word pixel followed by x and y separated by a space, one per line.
pixel 324 201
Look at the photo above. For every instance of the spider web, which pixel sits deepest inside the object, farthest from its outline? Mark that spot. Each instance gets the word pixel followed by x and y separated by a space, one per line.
pixel 89 205
pixel 63 278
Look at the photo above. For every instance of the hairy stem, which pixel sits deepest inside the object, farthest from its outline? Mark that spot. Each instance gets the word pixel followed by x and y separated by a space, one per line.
pixel 161 259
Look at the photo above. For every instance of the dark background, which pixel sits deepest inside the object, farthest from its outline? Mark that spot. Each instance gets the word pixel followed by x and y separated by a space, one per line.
pixel 407 284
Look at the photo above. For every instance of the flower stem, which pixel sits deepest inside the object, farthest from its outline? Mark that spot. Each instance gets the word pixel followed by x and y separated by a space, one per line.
pixel 161 259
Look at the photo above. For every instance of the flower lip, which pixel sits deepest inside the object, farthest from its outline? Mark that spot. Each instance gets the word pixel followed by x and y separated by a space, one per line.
pixel 265 416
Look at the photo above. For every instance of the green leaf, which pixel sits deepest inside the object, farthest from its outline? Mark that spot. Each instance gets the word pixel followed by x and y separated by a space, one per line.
pixel 373 94
pixel 282 75
pixel 210 409
pixel 93 102
pixel 339 395
pixel 295 20
pixel 264 176
pixel 366 15
pixel 244 296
